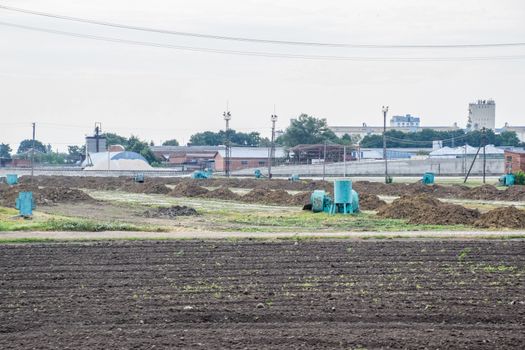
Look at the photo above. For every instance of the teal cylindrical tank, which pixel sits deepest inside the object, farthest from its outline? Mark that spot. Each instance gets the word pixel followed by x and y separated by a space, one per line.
pixel 342 191
pixel 428 178
pixel 509 180
pixel 11 179
pixel 317 199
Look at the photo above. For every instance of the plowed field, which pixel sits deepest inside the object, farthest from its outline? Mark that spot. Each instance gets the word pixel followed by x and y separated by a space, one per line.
pixel 260 295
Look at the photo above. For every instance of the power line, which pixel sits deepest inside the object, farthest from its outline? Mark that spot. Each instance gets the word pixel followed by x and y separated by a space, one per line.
pixel 261 41
pixel 260 53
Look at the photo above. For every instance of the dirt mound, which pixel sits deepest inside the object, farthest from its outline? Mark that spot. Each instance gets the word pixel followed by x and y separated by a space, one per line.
pixel 508 217
pixel 170 212
pixel 188 189
pixel 302 198
pixel 43 196
pixel 221 193
pixel 424 209
pixel 147 187
pixel 485 192
pixel 514 193
pixel 370 201
pixel 258 195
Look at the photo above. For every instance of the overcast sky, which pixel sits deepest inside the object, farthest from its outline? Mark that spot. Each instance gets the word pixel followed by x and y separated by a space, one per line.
pixel 67 84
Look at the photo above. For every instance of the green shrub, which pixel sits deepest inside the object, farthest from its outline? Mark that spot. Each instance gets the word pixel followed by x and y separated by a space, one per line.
pixel 519 178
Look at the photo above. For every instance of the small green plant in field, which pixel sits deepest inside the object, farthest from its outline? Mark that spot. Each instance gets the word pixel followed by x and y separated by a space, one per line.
pixel 519 178
pixel 463 254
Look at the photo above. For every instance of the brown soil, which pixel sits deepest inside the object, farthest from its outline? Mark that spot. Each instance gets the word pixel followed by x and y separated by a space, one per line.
pixel 156 185
pixel 279 197
pixel 170 212
pixel 370 201
pixel 302 198
pixel 514 193
pixel 194 294
pixel 188 189
pixel 509 217
pixel 43 196
pixel 221 193
pixel 146 187
pixel 424 209
pixel 484 192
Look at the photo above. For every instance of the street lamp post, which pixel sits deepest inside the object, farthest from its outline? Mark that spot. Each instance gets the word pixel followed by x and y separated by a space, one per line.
pixel 227 117
pixel 272 146
pixel 385 110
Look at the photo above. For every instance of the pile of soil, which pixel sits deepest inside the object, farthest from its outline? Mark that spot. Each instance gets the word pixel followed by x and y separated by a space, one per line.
pixel 147 187
pixel 508 217
pixel 170 212
pixel 221 193
pixel 370 201
pixel 280 197
pixel 514 193
pixel 485 192
pixel 43 196
pixel 302 198
pixel 188 189
pixel 423 209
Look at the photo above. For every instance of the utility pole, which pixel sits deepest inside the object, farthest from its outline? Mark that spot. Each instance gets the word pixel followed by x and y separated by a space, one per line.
pixel 227 117
pixel 272 145
pixel 344 159
pixel 324 161
pixel 385 110
pixel 484 140
pixel 33 154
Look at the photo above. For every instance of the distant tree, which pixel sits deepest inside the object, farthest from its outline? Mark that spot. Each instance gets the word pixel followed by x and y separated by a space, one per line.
pixel 345 140
pixel 52 158
pixel 307 130
pixel 5 151
pixel 27 144
pixel 134 144
pixel 75 153
pixel 114 139
pixel 206 138
pixel 508 138
pixel 171 142
pixel 210 138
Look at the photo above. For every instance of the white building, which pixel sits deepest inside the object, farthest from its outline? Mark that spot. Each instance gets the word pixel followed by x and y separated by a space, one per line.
pixel 405 121
pixel 482 114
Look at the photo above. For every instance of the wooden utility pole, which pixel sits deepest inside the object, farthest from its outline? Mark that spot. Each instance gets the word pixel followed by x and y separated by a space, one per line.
pixel 33 154
pixel 385 110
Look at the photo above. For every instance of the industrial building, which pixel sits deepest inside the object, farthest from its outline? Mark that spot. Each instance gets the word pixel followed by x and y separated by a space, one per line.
pixel 405 121
pixel 482 114
pixel 214 157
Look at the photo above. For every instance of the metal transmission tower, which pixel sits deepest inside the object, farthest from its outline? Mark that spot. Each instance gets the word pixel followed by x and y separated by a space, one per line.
pixel 272 146
pixel 385 110
pixel 227 117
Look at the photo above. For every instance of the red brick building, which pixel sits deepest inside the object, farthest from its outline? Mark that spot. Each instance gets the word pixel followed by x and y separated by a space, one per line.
pixel 514 161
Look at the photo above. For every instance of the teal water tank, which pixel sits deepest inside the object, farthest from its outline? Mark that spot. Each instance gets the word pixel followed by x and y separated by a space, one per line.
pixel 25 204
pixel 11 179
pixel 342 191
pixel 428 178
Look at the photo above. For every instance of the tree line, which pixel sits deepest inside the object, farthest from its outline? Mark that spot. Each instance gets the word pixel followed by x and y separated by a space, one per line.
pixel 304 129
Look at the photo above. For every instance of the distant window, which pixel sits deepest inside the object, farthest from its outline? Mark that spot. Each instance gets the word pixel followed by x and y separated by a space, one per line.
pixel 244 162
pixel 262 162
